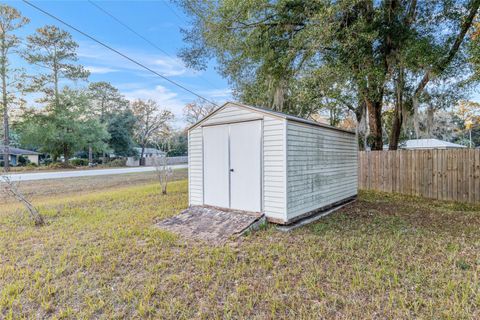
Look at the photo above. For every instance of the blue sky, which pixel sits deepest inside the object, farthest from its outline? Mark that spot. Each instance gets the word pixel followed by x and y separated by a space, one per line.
pixel 158 21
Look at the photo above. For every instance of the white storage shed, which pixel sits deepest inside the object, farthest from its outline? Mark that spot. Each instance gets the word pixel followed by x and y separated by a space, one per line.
pixel 253 159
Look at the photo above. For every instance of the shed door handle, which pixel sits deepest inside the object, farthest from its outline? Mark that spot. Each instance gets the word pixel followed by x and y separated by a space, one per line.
pixel 231 170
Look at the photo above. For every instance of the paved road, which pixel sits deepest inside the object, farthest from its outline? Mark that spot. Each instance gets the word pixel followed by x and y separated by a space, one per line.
pixel 83 173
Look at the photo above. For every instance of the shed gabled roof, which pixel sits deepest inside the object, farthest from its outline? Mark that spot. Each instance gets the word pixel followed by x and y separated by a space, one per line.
pixel 270 112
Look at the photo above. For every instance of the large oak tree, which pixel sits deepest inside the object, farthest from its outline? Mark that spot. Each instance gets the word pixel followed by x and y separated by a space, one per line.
pixel 266 49
pixel 151 122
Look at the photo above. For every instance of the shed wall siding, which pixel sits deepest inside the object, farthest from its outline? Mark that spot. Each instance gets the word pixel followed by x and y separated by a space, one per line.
pixel 195 166
pixel 321 167
pixel 274 166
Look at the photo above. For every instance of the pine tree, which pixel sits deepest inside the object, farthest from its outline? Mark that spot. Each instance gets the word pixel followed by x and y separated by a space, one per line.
pixel 55 50
pixel 10 21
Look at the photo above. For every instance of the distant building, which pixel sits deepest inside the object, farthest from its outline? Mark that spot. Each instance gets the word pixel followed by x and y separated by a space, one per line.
pixel 150 152
pixel 419 144
pixel 15 153
pixel 148 157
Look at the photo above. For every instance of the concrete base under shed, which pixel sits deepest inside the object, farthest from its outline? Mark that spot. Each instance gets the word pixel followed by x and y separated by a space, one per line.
pixel 314 216
pixel 314 213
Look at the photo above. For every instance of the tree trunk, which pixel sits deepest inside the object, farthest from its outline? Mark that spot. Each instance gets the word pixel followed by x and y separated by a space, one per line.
pixel 55 80
pixel 396 129
pixel 164 189
pixel 362 127
pixel 398 112
pixel 430 118
pixel 6 139
pixel 374 109
pixel 416 117
pixel 6 129
pixel 90 155
pixel 141 161
pixel 66 153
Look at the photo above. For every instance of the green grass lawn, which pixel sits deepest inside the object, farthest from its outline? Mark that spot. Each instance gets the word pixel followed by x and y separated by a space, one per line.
pixel 100 256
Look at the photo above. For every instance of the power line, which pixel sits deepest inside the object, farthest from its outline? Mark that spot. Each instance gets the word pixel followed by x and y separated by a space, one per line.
pixel 117 52
pixel 172 10
pixel 128 27
pixel 137 33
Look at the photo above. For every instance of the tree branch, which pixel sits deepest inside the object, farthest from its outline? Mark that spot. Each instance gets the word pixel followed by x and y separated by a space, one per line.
pixel 10 188
pixel 445 61
pixel 411 12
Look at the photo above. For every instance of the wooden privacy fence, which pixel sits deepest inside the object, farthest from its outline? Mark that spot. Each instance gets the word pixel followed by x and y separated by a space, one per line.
pixel 437 174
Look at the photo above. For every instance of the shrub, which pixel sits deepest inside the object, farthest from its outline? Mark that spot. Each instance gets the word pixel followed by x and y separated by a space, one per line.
pixel 79 162
pixel 61 165
pixel 22 161
pixel 47 161
pixel 32 165
pixel 116 163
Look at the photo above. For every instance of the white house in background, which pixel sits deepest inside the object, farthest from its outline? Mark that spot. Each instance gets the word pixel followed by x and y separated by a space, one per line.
pixel 149 156
pixel 252 159
pixel 150 152
pixel 15 153
pixel 417 144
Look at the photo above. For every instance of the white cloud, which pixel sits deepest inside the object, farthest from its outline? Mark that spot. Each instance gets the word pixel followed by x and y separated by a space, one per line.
pixel 163 64
pixel 159 93
pixel 165 98
pixel 170 66
pixel 100 70
pixel 128 86
pixel 225 93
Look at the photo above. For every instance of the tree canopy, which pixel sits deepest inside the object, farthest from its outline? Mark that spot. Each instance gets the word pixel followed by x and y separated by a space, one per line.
pixel 53 49
pixel 96 119
pixel 65 128
pixel 121 127
pixel 106 99
pixel 273 52
pixel 152 122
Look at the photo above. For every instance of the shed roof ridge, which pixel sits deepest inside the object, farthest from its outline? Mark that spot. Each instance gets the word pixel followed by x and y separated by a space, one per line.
pixel 273 113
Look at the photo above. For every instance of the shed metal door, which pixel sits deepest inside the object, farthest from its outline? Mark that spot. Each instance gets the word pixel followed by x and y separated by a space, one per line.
pixel 232 165
pixel 215 167
pixel 245 166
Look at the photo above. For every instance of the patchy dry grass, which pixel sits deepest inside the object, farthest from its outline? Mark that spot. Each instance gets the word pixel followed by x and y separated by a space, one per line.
pixel 386 256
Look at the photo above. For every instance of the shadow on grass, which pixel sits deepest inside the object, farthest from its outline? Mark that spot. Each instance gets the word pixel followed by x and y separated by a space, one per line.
pixel 393 213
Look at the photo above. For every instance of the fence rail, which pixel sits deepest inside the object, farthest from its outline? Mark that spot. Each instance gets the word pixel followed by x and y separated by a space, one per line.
pixel 438 174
